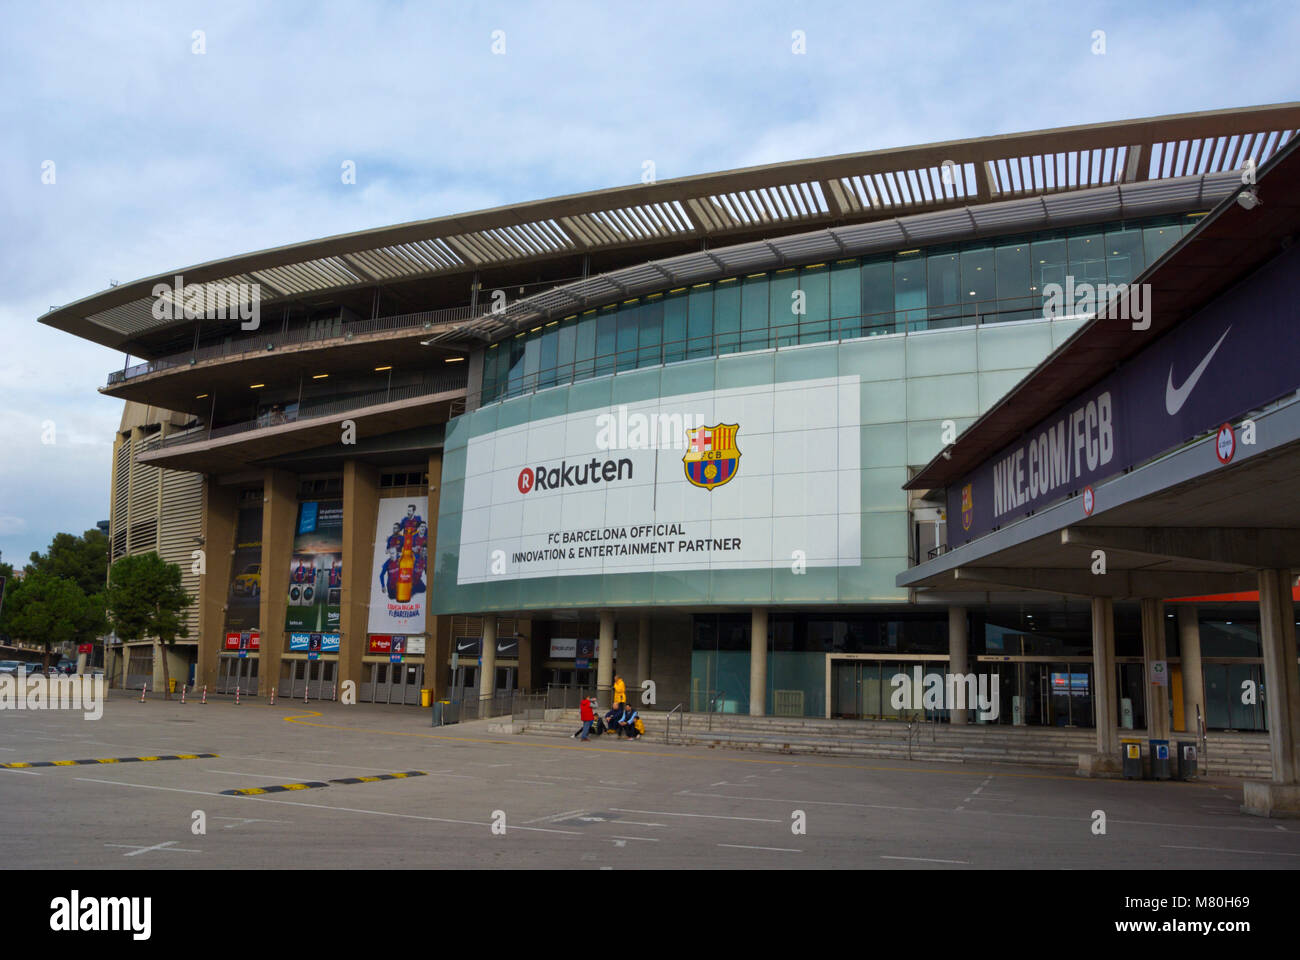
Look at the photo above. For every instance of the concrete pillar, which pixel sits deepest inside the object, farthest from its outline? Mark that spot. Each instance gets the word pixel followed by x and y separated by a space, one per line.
pixel 642 651
pixel 758 662
pixel 605 659
pixel 1106 761
pixel 220 522
pixel 1153 649
pixel 487 674
pixel 279 518
pixel 1189 652
pixel 958 662
pixel 360 509
pixel 1278 638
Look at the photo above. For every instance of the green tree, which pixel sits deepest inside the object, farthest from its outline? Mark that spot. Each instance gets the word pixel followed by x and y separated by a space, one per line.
pixel 146 599
pixel 45 609
pixel 83 559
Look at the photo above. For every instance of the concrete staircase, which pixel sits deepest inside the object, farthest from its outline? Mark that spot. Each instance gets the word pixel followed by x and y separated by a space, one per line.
pixel 1244 755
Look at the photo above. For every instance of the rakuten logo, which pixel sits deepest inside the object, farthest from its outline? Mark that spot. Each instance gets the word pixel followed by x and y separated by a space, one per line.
pixel 573 475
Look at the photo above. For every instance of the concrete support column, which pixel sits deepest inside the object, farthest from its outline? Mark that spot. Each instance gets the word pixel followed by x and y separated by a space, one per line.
pixel 642 651
pixel 958 662
pixel 1106 761
pixel 1153 649
pixel 360 508
pixel 605 659
pixel 219 522
pixel 279 518
pixel 758 662
pixel 487 674
pixel 1189 652
pixel 1281 797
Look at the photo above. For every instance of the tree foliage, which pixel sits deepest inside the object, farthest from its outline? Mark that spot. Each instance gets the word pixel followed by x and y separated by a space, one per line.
pixel 47 609
pixel 83 559
pixel 146 599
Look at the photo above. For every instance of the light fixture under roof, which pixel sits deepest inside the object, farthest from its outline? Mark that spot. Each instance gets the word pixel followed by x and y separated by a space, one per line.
pixel 319 376
pixel 381 369
pixel 254 386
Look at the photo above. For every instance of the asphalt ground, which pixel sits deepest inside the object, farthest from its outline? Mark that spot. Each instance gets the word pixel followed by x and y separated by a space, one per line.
pixel 485 800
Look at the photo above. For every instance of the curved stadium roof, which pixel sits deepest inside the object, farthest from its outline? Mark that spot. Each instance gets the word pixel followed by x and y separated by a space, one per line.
pixel 965 187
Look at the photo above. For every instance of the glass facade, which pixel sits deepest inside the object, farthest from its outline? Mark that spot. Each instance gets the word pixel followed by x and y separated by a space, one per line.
pixel 982 281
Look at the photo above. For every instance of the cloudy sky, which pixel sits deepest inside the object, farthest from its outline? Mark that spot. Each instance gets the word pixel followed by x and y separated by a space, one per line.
pixel 165 158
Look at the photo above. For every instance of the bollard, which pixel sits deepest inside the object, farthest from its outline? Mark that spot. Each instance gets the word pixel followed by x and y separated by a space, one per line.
pixel 272 703
pixel 143 687
pixel 182 694
pixel 334 691
pixel 236 696
pixel 305 690
pixel 205 695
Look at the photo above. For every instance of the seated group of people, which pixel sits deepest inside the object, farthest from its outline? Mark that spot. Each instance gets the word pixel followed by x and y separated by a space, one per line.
pixel 622 720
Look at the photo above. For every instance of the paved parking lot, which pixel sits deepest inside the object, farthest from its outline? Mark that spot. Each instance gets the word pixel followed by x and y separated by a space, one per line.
pixel 559 803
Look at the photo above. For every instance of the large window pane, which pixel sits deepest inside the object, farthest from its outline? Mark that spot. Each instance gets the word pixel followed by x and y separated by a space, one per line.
pixel 674 338
pixel 1124 258
pixel 629 315
pixel 699 326
pixel 846 299
pixel 650 326
pixel 909 291
pixel 550 350
pixel 490 356
pixel 606 340
pixel 1156 240
pixel 753 313
pixel 515 378
pixel 879 297
pixel 785 322
pixel 1015 298
pixel 943 282
pixel 532 359
pixel 726 316
pixel 564 350
pixel 978 287
pixel 1088 257
pixel 816 284
pixel 1048 264
pixel 584 349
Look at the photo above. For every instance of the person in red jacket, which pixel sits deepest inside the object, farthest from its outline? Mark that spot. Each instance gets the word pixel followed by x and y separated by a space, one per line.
pixel 588 715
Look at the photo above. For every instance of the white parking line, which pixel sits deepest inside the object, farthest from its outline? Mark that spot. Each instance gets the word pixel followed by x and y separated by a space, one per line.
pixel 822 803
pixel 646 839
pixel 745 846
pixel 925 860
pixel 30 773
pixel 702 816
pixel 555 816
pixel 1257 853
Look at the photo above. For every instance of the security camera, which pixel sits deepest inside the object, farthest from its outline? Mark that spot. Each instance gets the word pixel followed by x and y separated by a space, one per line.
pixel 1249 199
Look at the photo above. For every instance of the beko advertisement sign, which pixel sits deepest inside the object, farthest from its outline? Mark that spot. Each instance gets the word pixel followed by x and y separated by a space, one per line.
pixel 744 478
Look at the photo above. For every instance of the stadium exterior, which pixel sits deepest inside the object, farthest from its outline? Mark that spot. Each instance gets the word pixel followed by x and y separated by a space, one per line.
pixel 674 420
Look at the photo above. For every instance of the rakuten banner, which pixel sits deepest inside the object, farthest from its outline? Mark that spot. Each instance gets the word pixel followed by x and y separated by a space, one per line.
pixel 746 478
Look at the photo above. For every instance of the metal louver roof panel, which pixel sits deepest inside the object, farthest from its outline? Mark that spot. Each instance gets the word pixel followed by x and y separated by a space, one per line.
pixel 952 223
pixel 1088 203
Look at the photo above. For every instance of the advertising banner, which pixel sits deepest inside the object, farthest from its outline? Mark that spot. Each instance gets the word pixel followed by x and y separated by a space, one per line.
pixel 244 640
pixel 316 570
pixel 753 477
pixel 399 572
pixel 304 643
pixel 243 604
pixel 1236 355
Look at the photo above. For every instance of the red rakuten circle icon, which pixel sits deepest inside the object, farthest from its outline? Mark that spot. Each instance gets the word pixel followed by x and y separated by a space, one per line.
pixel 525 480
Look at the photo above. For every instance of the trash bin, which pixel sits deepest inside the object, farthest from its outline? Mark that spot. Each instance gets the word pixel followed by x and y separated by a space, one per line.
pixel 1187 761
pixel 426 697
pixel 1160 760
pixel 171 685
pixel 1131 754
pixel 441 709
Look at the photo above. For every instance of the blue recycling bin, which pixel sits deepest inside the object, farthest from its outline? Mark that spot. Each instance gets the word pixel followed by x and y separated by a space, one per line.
pixel 1160 760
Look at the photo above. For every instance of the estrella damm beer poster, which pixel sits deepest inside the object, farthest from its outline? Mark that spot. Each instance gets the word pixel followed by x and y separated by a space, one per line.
pixel 399 578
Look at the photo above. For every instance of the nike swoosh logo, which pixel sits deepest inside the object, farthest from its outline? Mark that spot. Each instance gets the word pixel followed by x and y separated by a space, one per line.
pixel 462 647
pixel 1176 397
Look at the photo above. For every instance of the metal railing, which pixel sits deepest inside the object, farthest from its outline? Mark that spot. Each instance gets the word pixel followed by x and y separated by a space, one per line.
pixel 681 723
pixel 444 383
pixel 320 332
pixel 567 696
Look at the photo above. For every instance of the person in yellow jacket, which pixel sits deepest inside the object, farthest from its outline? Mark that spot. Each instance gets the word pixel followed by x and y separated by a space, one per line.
pixel 620 691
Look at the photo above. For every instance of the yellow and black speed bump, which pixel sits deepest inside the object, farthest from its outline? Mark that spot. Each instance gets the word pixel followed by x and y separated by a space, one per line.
pixel 78 763
pixel 277 788
pixel 283 787
pixel 382 776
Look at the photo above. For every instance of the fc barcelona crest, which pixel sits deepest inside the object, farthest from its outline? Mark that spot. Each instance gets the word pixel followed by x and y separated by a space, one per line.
pixel 967 507
pixel 712 457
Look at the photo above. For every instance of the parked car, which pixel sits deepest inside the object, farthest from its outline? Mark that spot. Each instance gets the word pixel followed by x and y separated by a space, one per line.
pixel 10 666
pixel 66 667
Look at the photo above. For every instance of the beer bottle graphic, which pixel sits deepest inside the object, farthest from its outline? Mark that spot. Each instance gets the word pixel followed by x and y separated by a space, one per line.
pixel 405 570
